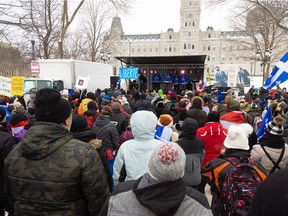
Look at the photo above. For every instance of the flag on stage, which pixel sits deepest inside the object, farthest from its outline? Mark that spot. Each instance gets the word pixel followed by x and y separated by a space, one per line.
pixel 267 118
pixel 279 73
pixel 200 84
pixel 118 84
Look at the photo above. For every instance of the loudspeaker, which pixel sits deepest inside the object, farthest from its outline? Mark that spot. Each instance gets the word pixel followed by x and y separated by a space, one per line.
pixel 113 81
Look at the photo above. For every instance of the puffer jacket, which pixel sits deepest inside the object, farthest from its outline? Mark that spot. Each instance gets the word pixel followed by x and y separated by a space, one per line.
pixel 50 173
pixel 213 136
pixel 107 132
pixel 134 154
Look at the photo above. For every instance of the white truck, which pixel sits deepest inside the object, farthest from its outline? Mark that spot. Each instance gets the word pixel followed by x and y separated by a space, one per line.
pixel 63 74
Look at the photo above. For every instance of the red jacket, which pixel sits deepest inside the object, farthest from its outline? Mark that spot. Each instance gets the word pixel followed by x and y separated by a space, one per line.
pixel 213 136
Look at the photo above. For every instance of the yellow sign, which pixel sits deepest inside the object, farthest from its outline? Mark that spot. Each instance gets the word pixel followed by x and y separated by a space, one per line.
pixel 17 85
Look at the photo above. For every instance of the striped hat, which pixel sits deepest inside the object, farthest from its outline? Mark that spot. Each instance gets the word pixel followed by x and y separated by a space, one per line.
pixel 275 127
pixel 107 111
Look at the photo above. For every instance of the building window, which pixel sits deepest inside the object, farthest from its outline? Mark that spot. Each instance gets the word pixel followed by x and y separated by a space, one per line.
pixel 138 50
pixel 144 50
pixel 170 37
pixel 237 58
pixel 156 50
pixel 204 48
pixel 223 59
pixel 209 35
pixel 190 4
pixel 214 48
pixel 170 49
pixel 208 48
pixel 193 23
pixel 185 24
pixel 213 58
pixel 189 23
pixel 189 15
pixel 150 50
pixel 223 48
pixel 165 49
pixel 208 58
pixel 133 50
pixel 230 58
pixel 193 46
pixel 189 46
pixel 189 33
pixel 231 48
pixel 174 49
pixel 184 46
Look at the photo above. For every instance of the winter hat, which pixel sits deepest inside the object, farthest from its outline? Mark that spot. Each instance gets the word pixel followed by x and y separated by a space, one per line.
pixel 115 94
pixel 275 127
pixel 124 101
pixel 237 137
pixel 167 162
pixel 182 104
pixel 107 111
pixel 106 97
pixel 90 95
pixel 92 106
pixel 116 106
pixel 165 120
pixel 197 102
pixel 189 127
pixel 2 114
pixel 79 123
pixel 213 117
pixel 233 105
pixel 18 115
pixel 50 106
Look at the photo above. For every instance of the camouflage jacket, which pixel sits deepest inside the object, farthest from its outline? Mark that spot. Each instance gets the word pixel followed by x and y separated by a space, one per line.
pixel 50 173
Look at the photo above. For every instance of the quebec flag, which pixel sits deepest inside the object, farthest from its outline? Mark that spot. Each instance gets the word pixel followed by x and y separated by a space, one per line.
pixel 279 73
pixel 267 118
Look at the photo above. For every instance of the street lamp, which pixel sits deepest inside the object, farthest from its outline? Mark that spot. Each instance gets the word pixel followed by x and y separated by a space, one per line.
pixel 33 50
pixel 265 56
pixel 105 56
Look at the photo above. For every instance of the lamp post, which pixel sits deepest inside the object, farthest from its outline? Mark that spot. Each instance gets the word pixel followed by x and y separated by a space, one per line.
pixel 265 56
pixel 105 56
pixel 33 50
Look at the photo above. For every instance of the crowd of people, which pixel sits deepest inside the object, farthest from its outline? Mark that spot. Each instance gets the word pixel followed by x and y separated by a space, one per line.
pixel 116 152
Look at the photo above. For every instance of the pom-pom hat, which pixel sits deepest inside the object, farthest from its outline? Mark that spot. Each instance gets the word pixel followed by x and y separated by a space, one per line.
pixel 275 127
pixel 165 120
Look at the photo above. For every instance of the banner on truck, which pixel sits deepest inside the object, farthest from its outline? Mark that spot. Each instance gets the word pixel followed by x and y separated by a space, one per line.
pixel 5 86
pixel 35 67
pixel 128 73
pixel 17 85
pixel 82 82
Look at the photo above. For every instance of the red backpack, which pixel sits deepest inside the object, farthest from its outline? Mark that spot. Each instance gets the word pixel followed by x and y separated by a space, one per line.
pixel 239 186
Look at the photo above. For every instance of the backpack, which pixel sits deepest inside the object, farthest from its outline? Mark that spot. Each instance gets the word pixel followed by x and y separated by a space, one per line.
pixel 256 123
pixel 239 187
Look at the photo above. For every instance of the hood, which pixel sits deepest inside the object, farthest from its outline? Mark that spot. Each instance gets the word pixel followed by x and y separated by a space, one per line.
pixel 43 139
pixel 102 120
pixel 163 198
pixel 143 124
pixel 213 128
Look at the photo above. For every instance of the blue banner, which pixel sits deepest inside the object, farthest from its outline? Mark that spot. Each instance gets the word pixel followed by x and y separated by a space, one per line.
pixel 128 73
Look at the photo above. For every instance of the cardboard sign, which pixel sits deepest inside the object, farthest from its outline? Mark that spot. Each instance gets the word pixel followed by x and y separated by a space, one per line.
pixel 5 86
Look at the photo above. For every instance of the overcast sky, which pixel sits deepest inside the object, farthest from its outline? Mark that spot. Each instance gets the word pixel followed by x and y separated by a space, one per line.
pixel 155 16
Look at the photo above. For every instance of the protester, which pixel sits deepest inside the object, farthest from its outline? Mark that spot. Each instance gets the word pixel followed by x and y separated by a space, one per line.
pixel 18 123
pixel 50 173
pixel 91 113
pixel 196 111
pixel 234 161
pixel 133 154
pixel 234 115
pixel 118 118
pixel 194 150
pixel 160 191
pixel 6 145
pixel 272 151
pixel 84 133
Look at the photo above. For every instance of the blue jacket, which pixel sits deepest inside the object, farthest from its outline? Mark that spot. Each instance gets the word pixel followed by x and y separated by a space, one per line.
pixel 168 78
pixel 156 78
pixel 176 79
pixel 8 115
pixel 184 79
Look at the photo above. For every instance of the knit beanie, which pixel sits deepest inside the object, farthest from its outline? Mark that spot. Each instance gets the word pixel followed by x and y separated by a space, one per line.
pixel 18 115
pixel 165 120
pixel 213 117
pixel 90 95
pixel 115 94
pixel 2 114
pixel 50 106
pixel 92 106
pixel 233 105
pixel 237 137
pixel 167 162
pixel 116 106
pixel 107 111
pixel 79 123
pixel 275 127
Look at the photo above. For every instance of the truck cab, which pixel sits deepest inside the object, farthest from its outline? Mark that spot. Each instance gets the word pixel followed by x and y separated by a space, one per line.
pixel 39 83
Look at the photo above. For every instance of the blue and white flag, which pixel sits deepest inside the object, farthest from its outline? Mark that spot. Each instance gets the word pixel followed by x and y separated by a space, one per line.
pixel 118 84
pixel 267 118
pixel 279 73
